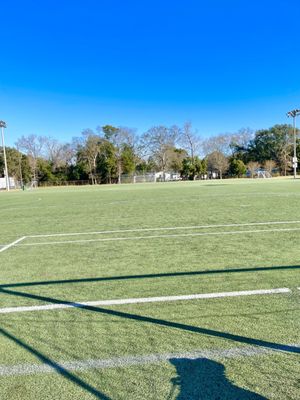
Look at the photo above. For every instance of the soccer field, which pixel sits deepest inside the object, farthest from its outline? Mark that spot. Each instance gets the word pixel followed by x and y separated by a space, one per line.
pixel 184 290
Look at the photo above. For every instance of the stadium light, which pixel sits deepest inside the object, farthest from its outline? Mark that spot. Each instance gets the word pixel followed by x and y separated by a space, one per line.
pixel 293 114
pixel 2 126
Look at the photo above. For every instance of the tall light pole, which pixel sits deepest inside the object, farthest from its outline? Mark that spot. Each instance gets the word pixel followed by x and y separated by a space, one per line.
pixel 2 126
pixel 293 114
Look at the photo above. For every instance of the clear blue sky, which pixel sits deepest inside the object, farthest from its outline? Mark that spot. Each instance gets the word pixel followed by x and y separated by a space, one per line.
pixel 73 64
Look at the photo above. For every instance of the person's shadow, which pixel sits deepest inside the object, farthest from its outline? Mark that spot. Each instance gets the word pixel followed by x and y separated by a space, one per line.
pixel 206 380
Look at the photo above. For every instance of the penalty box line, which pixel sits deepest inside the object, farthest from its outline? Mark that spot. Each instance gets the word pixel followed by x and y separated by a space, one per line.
pixel 114 239
pixel 68 305
pixel 164 229
pixel 8 246
pixel 16 242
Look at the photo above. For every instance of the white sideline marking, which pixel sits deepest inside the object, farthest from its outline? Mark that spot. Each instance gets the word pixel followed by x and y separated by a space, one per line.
pixel 161 236
pixel 8 310
pixel 12 244
pixel 165 229
pixel 126 361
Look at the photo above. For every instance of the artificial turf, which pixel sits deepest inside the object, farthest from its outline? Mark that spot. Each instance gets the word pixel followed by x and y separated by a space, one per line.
pixel 158 266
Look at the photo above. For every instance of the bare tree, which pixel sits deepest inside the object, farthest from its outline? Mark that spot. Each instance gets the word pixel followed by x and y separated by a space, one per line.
pixel 269 165
pixel 216 161
pixel 158 141
pixel 33 146
pixel 189 140
pixel 285 147
pixel 58 154
pixel 252 167
pixel 219 143
pixel 240 140
pixel 88 147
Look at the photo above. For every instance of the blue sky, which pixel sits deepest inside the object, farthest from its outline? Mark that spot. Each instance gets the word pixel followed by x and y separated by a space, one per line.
pixel 223 65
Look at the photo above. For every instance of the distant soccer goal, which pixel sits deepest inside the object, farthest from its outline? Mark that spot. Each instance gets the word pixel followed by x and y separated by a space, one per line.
pixel 143 178
pixel 261 173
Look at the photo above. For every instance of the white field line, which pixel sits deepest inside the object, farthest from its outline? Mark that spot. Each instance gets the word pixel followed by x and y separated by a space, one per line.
pixel 127 361
pixel 165 229
pixel 162 236
pixel 47 307
pixel 6 247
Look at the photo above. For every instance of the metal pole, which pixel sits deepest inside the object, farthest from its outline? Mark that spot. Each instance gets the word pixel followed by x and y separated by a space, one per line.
pixel 294 114
pixel 5 161
pixel 295 154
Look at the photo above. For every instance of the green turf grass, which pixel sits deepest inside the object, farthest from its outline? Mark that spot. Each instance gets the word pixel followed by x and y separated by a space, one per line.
pixel 86 271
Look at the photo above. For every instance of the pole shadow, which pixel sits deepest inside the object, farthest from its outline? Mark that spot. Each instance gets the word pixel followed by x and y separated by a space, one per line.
pixel 55 366
pixel 202 378
pixel 150 276
pixel 145 319
pixel 161 322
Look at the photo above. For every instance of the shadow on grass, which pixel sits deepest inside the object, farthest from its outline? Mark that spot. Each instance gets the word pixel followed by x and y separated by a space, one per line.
pixel 205 379
pixel 214 184
pixel 185 381
pixel 160 322
pixel 57 367
pixel 150 276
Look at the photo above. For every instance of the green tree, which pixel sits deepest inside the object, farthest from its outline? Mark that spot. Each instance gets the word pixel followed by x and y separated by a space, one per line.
pixel 273 144
pixel 13 158
pixel 188 168
pixel 237 168
pixel 45 173
pixel 17 165
pixel 107 162
pixel 193 167
pixel 77 171
pixel 145 166
pixel 109 131
pixel 176 157
pixel 122 139
pixel 128 160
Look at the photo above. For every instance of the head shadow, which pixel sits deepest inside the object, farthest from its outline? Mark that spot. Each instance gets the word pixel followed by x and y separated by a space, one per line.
pixel 202 378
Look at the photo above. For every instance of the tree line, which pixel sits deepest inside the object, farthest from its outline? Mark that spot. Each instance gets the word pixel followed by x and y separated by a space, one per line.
pixel 107 153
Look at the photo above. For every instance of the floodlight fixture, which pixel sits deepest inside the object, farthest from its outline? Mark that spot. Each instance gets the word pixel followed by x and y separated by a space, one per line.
pixel 293 114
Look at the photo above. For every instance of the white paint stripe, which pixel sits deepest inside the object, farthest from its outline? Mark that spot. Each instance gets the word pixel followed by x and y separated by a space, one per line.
pixel 165 229
pixel 6 247
pixel 162 236
pixel 8 310
pixel 127 361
